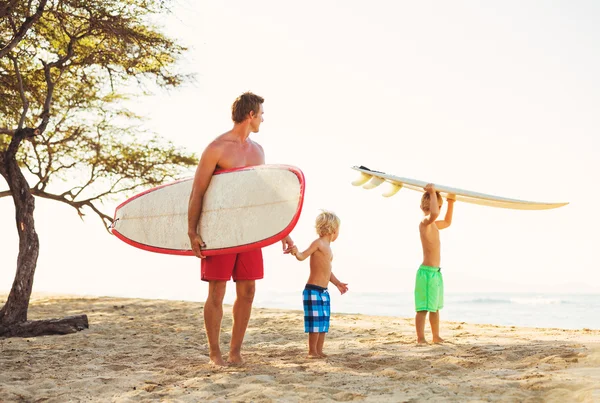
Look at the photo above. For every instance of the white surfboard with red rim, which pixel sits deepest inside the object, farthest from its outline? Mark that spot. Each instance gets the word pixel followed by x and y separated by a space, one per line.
pixel 243 209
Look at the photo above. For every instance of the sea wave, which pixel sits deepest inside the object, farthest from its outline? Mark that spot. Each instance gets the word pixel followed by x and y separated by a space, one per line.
pixel 516 300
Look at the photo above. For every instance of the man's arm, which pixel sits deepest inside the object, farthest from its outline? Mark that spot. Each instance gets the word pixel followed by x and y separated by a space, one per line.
pixel 287 244
pixel 445 223
pixel 343 287
pixel 204 171
pixel 303 255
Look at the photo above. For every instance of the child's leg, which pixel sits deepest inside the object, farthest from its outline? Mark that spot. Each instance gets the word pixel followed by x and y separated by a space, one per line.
pixel 434 321
pixel 313 339
pixel 420 325
pixel 320 344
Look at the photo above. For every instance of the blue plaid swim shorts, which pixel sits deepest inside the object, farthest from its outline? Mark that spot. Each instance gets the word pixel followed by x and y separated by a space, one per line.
pixel 316 309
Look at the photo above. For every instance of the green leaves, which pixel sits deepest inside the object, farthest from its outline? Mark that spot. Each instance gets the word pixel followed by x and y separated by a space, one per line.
pixel 77 64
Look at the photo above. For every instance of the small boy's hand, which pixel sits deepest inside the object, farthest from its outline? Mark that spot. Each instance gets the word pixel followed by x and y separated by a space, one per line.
pixel 293 251
pixel 343 287
pixel 430 188
pixel 287 244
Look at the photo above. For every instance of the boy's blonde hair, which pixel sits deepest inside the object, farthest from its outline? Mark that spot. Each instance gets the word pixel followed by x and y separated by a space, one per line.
pixel 425 199
pixel 327 223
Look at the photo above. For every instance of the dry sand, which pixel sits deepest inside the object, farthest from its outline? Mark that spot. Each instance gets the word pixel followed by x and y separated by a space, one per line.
pixel 155 350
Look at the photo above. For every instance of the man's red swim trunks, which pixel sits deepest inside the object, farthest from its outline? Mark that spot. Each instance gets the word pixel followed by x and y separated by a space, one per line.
pixel 239 266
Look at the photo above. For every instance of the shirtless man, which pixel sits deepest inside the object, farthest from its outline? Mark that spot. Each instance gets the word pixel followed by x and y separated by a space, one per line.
pixel 429 285
pixel 233 149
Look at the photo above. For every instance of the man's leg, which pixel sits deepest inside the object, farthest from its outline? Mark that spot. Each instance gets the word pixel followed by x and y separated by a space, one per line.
pixel 434 321
pixel 213 314
pixel 241 315
pixel 420 325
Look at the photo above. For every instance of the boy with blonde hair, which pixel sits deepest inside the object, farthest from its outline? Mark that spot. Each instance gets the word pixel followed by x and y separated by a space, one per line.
pixel 429 284
pixel 315 295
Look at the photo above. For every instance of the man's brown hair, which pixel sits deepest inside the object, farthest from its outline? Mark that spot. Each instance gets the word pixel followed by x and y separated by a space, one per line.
pixel 244 104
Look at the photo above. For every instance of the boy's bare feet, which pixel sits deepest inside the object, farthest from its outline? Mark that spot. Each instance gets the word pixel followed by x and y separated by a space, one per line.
pixel 322 355
pixel 235 359
pixel 438 340
pixel 422 342
pixel 313 355
pixel 217 360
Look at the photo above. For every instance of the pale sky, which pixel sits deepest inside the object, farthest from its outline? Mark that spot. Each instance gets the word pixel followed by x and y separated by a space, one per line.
pixel 500 98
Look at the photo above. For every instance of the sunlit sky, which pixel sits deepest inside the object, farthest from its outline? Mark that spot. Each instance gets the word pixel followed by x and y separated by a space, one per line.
pixel 495 97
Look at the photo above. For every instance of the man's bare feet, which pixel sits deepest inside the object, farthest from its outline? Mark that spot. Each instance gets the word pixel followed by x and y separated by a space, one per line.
pixel 235 359
pixel 313 355
pixel 422 342
pixel 216 359
pixel 322 355
pixel 438 340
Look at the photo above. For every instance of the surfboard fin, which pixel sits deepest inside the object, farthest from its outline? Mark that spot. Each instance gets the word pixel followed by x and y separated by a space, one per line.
pixel 392 189
pixel 362 179
pixel 373 183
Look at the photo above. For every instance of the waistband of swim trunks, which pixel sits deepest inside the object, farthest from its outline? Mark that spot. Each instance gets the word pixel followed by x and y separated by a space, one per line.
pixel 315 287
pixel 430 268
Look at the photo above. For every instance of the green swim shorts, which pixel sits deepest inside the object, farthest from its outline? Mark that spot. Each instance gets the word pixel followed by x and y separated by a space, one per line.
pixel 429 289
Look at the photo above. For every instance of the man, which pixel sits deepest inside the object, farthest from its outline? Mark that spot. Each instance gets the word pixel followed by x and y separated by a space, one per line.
pixel 233 149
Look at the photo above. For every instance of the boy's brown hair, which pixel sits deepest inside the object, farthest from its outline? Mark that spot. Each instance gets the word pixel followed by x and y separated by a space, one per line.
pixel 244 104
pixel 425 199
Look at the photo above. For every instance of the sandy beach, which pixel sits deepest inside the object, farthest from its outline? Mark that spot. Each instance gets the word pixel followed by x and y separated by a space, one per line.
pixel 155 350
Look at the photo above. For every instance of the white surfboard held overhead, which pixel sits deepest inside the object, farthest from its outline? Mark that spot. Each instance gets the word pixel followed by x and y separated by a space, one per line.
pixel 243 209
pixel 370 179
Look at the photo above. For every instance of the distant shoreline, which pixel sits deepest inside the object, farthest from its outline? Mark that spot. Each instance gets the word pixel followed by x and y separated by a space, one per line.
pixel 529 310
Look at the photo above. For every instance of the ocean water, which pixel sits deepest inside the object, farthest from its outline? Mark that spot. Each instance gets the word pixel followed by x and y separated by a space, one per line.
pixel 565 311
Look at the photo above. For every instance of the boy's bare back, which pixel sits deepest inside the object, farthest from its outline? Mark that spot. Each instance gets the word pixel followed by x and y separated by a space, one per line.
pixel 429 227
pixel 430 240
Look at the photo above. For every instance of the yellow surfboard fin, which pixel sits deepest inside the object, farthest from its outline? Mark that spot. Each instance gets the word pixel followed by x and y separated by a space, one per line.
pixel 393 188
pixel 362 179
pixel 373 183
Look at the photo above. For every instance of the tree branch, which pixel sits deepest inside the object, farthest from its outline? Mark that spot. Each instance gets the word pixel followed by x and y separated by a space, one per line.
pixel 27 24
pixel 60 64
pixel 5 8
pixel 4 130
pixel 34 328
pixel 77 205
pixel 21 92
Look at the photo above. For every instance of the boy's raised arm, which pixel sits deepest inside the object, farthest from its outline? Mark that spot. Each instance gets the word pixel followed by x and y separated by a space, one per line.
pixel 434 208
pixel 445 223
pixel 303 255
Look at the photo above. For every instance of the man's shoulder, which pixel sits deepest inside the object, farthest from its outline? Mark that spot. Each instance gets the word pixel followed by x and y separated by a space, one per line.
pixel 254 143
pixel 219 142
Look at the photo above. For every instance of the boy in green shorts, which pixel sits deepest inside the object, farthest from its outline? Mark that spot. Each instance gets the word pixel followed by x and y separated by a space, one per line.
pixel 429 286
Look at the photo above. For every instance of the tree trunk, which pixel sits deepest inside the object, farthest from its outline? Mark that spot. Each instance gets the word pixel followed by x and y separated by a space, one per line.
pixel 13 315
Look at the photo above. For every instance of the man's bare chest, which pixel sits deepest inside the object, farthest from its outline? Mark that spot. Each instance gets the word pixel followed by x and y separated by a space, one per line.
pixel 237 158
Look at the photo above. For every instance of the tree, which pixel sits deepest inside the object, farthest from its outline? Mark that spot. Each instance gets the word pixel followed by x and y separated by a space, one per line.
pixel 66 69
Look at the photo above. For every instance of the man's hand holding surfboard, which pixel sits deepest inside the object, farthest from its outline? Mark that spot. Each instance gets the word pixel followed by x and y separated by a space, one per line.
pixel 197 244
